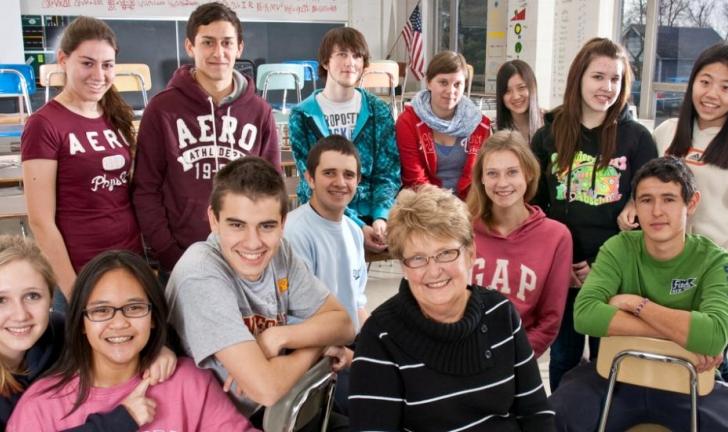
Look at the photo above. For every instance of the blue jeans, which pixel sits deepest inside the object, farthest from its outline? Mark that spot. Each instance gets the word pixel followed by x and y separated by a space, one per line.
pixel 568 348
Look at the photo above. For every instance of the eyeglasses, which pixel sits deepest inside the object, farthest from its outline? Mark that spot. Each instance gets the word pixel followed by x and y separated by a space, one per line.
pixel 105 313
pixel 419 261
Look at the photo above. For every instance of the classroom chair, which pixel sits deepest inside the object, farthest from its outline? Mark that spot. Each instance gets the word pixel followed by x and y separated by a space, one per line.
pixel 310 68
pixel 312 395
pixel 654 363
pixel 382 74
pixel 16 81
pixel 129 77
pixel 280 76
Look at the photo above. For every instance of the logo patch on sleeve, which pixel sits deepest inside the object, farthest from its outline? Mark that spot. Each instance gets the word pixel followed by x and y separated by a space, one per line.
pixel 282 285
pixel 679 286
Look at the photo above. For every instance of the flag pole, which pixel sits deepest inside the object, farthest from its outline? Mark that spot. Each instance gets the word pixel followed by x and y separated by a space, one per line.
pixel 389 53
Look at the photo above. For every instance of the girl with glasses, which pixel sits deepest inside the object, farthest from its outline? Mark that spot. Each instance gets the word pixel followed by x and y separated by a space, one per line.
pixel 115 327
pixel 32 336
pixel 443 354
pixel 535 279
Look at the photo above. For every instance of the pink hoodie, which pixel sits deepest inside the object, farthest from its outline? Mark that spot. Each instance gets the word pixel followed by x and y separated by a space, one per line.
pixel 530 266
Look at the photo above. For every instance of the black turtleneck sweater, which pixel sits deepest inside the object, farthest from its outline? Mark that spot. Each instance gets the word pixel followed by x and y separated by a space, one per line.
pixel 477 374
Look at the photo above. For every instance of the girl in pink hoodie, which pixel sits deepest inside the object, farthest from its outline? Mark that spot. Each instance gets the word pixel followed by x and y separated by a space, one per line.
pixel 115 327
pixel 519 251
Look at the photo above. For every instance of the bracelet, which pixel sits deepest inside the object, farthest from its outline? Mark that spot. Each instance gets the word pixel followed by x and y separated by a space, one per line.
pixel 640 306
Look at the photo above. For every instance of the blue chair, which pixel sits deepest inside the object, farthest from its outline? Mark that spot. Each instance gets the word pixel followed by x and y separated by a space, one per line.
pixel 311 70
pixel 280 76
pixel 18 80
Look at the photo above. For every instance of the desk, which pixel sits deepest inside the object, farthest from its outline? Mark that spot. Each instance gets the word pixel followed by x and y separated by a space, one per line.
pixel 10 138
pixel 12 206
pixel 11 173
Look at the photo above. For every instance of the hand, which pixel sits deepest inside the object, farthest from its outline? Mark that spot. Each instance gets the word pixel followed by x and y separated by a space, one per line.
pixel 574 279
pixel 706 362
pixel 580 271
pixel 380 229
pixel 340 357
pixel 271 341
pixel 372 241
pixel 228 384
pixel 626 302
pixel 140 408
pixel 162 367
pixel 627 219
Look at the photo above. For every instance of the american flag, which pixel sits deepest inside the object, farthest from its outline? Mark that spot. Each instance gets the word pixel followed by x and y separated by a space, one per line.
pixel 412 34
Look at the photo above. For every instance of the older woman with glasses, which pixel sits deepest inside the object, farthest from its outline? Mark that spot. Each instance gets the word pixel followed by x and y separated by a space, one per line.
pixel 443 354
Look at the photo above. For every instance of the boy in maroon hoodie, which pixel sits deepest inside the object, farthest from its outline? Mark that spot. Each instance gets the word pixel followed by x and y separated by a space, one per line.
pixel 208 115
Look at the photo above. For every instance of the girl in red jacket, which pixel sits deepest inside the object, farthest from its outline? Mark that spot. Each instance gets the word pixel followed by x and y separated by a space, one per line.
pixel 440 133
pixel 519 251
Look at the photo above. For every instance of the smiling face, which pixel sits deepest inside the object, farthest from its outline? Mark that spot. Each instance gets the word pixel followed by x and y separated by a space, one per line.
pixel 116 343
pixel 516 97
pixel 334 184
pixel 710 95
pixel 663 214
pixel 249 232
pixel 600 85
pixel 214 50
pixel 439 288
pixel 504 180
pixel 89 70
pixel 344 68
pixel 446 90
pixel 24 303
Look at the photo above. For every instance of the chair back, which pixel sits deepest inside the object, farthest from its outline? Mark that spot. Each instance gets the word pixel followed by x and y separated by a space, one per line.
pixel 129 77
pixel 280 76
pixel 382 74
pixel 651 371
pixel 18 80
pixel 311 395
pixel 310 68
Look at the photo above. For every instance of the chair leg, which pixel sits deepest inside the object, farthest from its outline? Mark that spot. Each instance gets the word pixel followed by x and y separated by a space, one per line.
pixel 610 393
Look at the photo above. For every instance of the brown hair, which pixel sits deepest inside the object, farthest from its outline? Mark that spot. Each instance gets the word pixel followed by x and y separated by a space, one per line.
pixel 209 13
pixel 16 248
pixel 479 203
pixel 115 109
pixel 251 177
pixel 567 118
pixel 504 118
pixel 427 210
pixel 446 62
pixel 344 38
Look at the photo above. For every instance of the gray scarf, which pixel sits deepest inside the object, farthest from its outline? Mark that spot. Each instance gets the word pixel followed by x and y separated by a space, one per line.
pixel 466 119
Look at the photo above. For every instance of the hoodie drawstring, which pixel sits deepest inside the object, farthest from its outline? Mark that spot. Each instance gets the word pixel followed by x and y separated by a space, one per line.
pixel 214 131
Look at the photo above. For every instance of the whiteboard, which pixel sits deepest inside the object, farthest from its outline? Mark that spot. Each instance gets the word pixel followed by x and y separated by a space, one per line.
pixel 247 10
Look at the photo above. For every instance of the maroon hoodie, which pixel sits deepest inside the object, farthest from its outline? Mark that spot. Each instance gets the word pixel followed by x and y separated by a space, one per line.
pixel 184 139
pixel 530 266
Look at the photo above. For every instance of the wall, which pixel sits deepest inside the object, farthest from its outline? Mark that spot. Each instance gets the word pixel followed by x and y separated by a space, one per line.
pixel 11 33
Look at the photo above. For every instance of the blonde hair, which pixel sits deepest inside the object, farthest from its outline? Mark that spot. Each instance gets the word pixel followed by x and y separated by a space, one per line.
pixel 427 210
pixel 479 203
pixel 15 248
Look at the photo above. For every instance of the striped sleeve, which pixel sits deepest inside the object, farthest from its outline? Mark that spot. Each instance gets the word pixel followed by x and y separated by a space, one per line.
pixel 530 406
pixel 376 393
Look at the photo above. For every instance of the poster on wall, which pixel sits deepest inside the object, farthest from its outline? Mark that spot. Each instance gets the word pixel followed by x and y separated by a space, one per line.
pixel 575 22
pixel 495 45
pixel 247 10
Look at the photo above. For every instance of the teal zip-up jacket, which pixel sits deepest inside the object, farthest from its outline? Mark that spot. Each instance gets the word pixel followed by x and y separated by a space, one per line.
pixel 374 139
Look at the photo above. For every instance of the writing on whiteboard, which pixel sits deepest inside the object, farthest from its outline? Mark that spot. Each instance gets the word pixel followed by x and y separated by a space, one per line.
pixel 298 10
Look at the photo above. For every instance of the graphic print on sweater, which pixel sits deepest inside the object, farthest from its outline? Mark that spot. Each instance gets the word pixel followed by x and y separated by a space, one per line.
pixel 528 279
pixel 202 154
pixel 586 185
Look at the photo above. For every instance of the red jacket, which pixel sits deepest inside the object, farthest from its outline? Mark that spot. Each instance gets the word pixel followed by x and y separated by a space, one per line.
pixel 418 155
